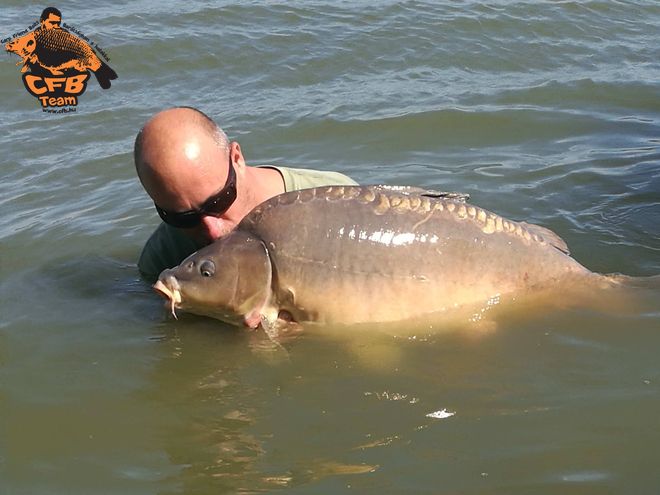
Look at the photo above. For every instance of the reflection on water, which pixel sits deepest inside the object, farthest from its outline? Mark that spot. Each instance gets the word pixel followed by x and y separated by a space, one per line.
pixel 344 407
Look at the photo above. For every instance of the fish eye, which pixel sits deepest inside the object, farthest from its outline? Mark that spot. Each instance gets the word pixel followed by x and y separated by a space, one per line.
pixel 207 268
pixel 30 43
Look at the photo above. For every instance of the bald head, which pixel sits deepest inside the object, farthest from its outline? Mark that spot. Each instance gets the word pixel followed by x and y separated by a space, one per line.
pixel 180 150
pixel 182 159
pixel 184 125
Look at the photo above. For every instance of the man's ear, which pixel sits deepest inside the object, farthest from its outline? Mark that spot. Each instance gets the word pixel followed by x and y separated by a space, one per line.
pixel 236 154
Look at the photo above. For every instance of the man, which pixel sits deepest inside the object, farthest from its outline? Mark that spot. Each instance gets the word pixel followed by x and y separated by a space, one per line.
pixel 201 186
pixel 51 18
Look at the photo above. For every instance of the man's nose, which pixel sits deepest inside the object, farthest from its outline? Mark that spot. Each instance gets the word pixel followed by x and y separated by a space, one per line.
pixel 212 227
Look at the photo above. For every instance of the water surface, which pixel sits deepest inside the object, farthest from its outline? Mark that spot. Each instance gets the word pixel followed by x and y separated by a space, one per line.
pixel 543 111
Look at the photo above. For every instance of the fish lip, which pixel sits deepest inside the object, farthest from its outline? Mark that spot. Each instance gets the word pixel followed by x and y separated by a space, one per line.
pixel 163 290
pixel 173 294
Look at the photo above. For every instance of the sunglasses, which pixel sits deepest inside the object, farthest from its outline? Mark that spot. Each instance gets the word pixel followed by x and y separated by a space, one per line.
pixel 215 205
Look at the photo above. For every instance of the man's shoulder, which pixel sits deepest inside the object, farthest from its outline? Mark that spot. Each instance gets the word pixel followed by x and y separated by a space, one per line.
pixel 299 178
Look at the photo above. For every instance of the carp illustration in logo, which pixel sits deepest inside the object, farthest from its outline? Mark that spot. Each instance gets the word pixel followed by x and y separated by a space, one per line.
pixel 50 50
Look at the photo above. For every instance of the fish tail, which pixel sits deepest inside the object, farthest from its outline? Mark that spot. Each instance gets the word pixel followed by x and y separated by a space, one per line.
pixel 620 280
pixel 104 75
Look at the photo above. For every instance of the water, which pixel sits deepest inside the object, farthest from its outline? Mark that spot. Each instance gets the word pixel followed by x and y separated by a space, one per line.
pixel 543 111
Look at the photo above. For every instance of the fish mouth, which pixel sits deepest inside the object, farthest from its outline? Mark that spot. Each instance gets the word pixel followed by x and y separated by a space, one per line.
pixel 172 294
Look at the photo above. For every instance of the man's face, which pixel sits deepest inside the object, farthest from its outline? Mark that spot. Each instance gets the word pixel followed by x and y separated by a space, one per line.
pixel 216 214
pixel 200 191
pixel 52 22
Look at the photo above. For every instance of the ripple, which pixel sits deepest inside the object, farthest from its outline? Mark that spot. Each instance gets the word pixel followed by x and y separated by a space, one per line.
pixel 543 111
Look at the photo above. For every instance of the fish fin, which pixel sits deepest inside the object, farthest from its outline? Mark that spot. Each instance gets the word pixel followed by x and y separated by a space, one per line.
pixel 104 75
pixel 268 347
pixel 549 236
pixel 621 280
pixel 254 319
pixel 456 196
pixel 281 327
pixel 271 329
pixel 422 191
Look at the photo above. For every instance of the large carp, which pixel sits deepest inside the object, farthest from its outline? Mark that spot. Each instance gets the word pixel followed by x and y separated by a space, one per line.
pixel 364 254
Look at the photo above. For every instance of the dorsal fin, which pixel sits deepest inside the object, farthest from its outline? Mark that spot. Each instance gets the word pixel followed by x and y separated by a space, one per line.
pixel 422 191
pixel 549 236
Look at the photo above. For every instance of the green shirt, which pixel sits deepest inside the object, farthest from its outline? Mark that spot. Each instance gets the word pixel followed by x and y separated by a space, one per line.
pixel 169 246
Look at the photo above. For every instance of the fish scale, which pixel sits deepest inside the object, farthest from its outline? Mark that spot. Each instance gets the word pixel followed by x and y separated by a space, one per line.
pixel 57 46
pixel 403 203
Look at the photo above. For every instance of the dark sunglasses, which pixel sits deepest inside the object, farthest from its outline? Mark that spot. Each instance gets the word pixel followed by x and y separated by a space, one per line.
pixel 215 206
